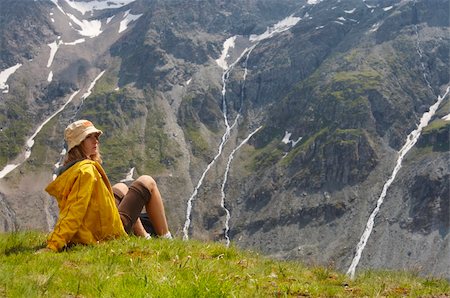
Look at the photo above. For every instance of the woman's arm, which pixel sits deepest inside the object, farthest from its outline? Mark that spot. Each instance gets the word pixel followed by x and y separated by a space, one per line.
pixel 71 217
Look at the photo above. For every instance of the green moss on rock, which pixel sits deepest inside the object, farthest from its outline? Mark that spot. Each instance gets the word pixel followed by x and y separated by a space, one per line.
pixel 198 143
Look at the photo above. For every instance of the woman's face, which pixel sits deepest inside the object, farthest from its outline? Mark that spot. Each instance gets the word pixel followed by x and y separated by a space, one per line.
pixel 90 144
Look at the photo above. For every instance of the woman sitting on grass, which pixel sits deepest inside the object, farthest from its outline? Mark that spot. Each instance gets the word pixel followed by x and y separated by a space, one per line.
pixel 90 210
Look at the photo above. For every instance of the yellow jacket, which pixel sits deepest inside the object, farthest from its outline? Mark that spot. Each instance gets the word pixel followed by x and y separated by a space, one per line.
pixel 87 209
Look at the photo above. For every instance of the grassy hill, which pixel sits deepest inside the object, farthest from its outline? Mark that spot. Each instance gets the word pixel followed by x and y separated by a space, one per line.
pixel 134 267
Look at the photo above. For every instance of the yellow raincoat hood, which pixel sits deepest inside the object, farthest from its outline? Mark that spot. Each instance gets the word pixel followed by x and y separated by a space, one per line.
pixel 87 209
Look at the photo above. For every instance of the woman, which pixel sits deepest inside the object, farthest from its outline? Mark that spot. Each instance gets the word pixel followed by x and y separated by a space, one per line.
pixel 90 210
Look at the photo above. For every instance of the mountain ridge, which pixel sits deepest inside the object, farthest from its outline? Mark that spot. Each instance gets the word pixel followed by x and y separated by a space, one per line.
pixel 347 82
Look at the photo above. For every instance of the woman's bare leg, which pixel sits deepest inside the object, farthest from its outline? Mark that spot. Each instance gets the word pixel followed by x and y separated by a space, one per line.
pixel 155 206
pixel 139 230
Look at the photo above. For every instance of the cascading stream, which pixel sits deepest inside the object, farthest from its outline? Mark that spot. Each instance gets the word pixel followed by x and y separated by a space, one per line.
pixel 225 136
pixel 90 29
pixel 225 179
pixel 411 140
pixel 281 26
pixel 231 156
pixel 225 76
pixel 30 142
pixel 246 52
pixel 83 98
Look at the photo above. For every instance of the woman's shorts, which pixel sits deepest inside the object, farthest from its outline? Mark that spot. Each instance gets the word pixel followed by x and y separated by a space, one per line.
pixel 130 205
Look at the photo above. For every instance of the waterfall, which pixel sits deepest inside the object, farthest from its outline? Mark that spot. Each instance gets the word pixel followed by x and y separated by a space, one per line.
pixel 225 136
pixel 30 142
pixel 279 27
pixel 225 179
pixel 411 140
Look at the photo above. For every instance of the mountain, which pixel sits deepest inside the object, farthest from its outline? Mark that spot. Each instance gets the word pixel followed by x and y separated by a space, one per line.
pixel 309 130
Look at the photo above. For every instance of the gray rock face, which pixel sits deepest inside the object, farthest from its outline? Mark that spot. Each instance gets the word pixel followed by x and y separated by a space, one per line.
pixel 7 216
pixel 24 30
pixel 334 97
pixel 413 231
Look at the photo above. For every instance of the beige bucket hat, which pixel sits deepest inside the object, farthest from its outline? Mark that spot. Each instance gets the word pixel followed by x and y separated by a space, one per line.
pixel 77 131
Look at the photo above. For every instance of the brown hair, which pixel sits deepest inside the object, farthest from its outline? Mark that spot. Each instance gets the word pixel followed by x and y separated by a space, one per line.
pixel 77 153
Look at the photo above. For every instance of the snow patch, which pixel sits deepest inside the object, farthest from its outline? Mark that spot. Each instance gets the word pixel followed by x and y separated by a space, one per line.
pixel 54 46
pixel 108 20
pixel 370 6
pixel 229 43
pixel 287 139
pixel 84 7
pixel 375 27
pixel 128 18
pixel 81 40
pixel 7 169
pixel 53 49
pixel 57 5
pixel 279 27
pixel 4 75
pixel 87 28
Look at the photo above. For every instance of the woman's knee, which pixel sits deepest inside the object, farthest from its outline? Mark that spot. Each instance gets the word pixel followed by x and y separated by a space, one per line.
pixel 147 181
pixel 120 189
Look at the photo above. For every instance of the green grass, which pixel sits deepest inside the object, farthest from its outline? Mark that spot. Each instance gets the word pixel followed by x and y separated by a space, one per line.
pixel 265 157
pixel 13 134
pixel 436 125
pixel 134 267
pixel 361 80
pixel 198 143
